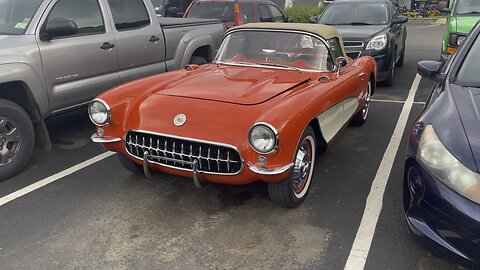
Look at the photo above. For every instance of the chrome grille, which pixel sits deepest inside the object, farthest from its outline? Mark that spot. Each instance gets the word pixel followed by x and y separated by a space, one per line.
pixel 180 153
pixel 353 55
pixel 353 44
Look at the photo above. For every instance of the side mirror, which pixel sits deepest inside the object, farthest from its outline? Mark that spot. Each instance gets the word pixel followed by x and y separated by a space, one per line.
pixel 430 70
pixel 341 62
pixel 289 20
pixel 400 19
pixel 58 27
pixel 313 19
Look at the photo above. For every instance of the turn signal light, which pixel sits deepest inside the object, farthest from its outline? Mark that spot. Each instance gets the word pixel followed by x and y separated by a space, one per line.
pixel 451 50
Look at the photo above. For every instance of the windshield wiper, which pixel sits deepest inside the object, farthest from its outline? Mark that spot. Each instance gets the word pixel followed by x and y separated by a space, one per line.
pixel 279 65
pixel 359 23
pixel 468 13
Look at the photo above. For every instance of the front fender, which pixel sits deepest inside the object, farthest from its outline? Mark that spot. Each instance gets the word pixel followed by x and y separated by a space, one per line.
pixel 193 45
pixel 22 72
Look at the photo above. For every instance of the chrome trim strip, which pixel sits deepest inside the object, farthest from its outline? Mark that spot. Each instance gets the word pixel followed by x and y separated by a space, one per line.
pixel 97 139
pixel 242 161
pixel 262 171
pixel 353 46
pixel 277 139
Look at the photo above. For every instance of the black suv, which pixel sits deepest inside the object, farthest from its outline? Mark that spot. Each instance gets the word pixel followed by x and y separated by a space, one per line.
pixel 370 27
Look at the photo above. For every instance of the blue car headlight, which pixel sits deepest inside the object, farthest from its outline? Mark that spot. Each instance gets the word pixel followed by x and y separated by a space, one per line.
pixel 436 159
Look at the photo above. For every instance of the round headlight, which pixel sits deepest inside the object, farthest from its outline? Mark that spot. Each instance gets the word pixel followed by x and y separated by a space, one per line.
pixel 99 112
pixel 263 138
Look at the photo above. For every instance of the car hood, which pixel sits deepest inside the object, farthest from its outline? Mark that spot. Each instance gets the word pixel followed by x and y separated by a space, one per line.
pixel 467 100
pixel 235 84
pixel 463 24
pixel 360 32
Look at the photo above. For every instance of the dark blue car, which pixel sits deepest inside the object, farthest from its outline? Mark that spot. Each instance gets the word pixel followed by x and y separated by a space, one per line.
pixel 442 170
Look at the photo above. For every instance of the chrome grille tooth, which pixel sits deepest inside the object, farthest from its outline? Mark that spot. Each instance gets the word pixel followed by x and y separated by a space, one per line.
pixel 218 159
pixel 163 150
pixel 208 159
pixel 228 160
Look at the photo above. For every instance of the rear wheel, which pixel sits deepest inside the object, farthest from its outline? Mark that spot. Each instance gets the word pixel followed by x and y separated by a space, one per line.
pixel 292 191
pixel 17 138
pixel 361 116
pixel 129 164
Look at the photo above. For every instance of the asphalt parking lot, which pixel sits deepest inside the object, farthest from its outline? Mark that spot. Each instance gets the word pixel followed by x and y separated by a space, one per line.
pixel 101 216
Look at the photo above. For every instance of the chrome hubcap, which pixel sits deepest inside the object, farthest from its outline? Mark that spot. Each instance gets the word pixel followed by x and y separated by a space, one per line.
pixel 303 165
pixel 366 104
pixel 9 140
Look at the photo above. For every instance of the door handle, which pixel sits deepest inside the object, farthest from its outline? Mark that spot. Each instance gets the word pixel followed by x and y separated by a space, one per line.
pixel 361 75
pixel 154 39
pixel 107 46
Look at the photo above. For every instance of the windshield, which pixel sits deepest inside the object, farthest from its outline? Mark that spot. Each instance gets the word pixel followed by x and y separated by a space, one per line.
pixel 15 15
pixel 212 10
pixel 465 7
pixel 285 50
pixel 355 14
pixel 468 73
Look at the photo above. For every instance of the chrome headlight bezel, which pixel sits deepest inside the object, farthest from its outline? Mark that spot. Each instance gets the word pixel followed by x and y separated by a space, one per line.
pixel 378 43
pixel 441 164
pixel 269 133
pixel 102 109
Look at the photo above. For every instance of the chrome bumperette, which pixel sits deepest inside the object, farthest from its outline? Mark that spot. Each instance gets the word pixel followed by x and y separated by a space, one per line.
pixel 97 139
pixel 183 153
pixel 262 171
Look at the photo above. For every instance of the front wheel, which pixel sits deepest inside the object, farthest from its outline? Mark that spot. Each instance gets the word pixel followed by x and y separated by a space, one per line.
pixel 198 60
pixel 292 191
pixel 391 71
pixel 17 138
pixel 361 116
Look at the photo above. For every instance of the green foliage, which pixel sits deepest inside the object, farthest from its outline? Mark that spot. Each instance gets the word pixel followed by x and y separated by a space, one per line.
pixel 301 13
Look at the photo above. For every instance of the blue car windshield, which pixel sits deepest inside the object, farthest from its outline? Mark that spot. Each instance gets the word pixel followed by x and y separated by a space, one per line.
pixel 15 15
pixel 355 14
pixel 468 72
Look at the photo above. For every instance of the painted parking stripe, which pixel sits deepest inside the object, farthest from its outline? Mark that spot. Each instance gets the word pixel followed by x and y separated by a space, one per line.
pixel 363 240
pixel 396 101
pixel 19 193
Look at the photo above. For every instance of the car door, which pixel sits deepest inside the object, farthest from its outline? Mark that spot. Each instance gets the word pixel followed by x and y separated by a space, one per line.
pixel 76 67
pixel 398 31
pixel 264 13
pixel 140 40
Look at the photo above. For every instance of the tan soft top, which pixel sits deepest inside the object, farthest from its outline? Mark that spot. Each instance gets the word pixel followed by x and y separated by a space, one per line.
pixel 325 31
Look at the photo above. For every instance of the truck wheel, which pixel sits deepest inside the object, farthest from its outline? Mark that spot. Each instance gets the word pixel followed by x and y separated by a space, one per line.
pixel 129 164
pixel 391 71
pixel 198 60
pixel 17 138
pixel 402 58
pixel 293 190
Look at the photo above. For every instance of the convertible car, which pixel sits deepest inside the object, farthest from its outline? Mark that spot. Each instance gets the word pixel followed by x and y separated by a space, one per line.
pixel 441 191
pixel 275 96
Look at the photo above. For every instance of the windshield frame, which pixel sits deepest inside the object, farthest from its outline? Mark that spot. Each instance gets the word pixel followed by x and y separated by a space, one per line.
pixel 334 4
pixel 30 22
pixel 455 11
pixel 460 58
pixel 323 40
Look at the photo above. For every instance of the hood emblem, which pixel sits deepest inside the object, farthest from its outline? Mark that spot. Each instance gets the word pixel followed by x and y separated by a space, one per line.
pixel 180 120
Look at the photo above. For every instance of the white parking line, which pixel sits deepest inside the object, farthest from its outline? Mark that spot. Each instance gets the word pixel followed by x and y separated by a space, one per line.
pixel 19 193
pixel 396 101
pixel 363 240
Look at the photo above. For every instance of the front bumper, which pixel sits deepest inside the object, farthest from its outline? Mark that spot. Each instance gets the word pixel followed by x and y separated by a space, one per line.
pixel 446 219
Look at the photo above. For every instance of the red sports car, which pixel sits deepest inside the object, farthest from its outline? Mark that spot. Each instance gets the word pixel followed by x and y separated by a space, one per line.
pixel 275 96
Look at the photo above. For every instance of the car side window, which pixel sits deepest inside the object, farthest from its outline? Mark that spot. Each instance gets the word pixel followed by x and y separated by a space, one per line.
pixel 276 14
pixel 247 12
pixel 86 14
pixel 335 48
pixel 264 13
pixel 129 14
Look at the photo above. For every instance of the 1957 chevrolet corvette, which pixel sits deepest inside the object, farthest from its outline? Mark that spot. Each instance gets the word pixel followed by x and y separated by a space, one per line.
pixel 275 96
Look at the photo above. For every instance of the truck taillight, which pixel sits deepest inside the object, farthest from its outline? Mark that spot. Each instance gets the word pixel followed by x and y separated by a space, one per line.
pixel 236 14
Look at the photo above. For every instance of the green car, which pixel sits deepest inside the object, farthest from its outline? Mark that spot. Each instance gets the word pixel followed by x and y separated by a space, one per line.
pixel 463 16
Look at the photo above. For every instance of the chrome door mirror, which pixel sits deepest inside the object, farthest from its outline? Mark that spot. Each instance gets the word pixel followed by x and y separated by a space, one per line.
pixel 341 62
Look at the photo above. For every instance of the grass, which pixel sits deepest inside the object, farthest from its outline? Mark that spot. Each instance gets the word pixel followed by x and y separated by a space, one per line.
pixel 301 13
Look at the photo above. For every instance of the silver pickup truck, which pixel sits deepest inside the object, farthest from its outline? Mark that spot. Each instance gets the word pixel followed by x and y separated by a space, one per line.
pixel 56 55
